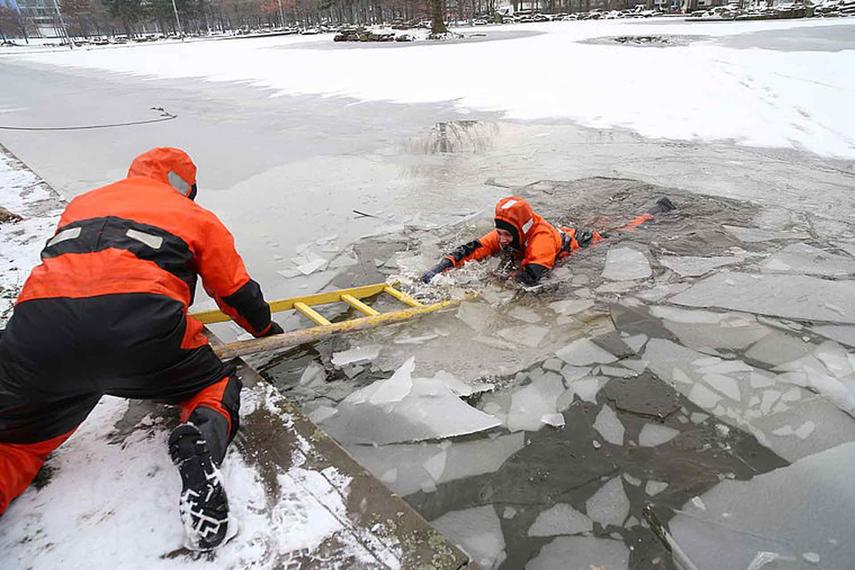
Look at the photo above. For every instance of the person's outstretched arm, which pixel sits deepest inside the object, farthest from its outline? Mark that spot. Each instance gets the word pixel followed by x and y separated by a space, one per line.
pixel 481 248
pixel 225 279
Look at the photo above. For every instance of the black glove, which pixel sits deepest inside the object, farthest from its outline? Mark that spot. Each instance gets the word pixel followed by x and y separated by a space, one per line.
pixel 436 269
pixel 274 329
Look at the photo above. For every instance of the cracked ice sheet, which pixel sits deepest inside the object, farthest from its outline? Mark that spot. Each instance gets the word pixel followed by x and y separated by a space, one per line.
pixel 789 296
pixel 357 355
pixel 761 409
pixel 403 467
pixel 120 501
pixel 532 402
pixel 626 264
pixel 581 552
pixel 805 259
pixel 609 505
pixel 582 352
pixel 560 519
pixel 841 333
pixel 706 329
pixel 478 531
pixel 402 409
pixel 696 266
pixel 609 426
pixel 802 508
pixel 829 371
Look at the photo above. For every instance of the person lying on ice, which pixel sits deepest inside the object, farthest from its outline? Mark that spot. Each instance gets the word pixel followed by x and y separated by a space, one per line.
pixel 535 244
pixel 106 313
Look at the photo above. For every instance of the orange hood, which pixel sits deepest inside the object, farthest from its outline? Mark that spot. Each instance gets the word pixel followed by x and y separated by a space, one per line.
pixel 171 166
pixel 515 215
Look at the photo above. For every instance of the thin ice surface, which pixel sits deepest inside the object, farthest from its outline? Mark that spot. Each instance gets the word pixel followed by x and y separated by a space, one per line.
pixel 402 409
pixel 585 552
pixel 806 259
pixel 402 467
pixel 530 403
pixel 777 295
pixel 609 426
pixel 805 507
pixel 582 352
pixel 609 505
pixel 626 264
pixel 706 329
pixel 478 531
pixel 696 266
pixel 560 519
pixel 656 434
pixel 356 355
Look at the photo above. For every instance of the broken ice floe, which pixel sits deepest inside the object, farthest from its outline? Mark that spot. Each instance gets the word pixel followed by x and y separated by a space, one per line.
pixel 653 488
pixel 478 531
pixel 584 551
pixel 609 426
pixel 706 329
pixel 841 333
pixel 656 434
pixel 609 505
pixel 402 409
pixel 805 259
pixel 582 352
pixel 777 295
pixel 696 266
pixel 357 355
pixel 405 468
pixel 530 403
pixel 761 408
pixel 526 335
pixel 560 519
pixel 626 264
pixel 477 316
pixel 784 511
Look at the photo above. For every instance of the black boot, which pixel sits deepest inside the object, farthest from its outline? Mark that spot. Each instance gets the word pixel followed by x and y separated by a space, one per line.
pixel 203 505
pixel 663 205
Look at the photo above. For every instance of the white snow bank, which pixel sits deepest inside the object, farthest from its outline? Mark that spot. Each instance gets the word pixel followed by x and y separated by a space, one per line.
pixel 119 499
pixel 22 193
pixel 698 91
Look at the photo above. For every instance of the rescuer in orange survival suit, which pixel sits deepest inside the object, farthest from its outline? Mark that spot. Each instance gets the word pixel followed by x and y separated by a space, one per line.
pixel 535 244
pixel 106 313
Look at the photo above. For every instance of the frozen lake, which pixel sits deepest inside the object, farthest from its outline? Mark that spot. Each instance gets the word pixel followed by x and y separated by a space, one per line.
pixel 703 364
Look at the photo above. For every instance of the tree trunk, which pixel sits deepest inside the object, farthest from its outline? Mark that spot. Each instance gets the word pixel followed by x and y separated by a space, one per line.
pixel 437 14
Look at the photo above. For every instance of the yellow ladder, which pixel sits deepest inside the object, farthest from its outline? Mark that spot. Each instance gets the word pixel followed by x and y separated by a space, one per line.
pixel 324 328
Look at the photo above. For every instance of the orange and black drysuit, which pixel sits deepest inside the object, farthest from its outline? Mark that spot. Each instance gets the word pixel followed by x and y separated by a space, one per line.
pixel 106 313
pixel 537 245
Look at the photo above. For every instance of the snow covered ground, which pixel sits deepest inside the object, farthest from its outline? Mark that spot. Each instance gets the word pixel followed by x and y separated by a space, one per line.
pixel 25 194
pixel 700 90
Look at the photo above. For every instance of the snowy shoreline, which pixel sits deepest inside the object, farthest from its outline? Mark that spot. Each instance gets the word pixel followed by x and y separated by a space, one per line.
pixel 700 91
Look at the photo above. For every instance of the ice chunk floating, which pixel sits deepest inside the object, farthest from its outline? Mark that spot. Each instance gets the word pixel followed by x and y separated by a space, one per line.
pixel 402 409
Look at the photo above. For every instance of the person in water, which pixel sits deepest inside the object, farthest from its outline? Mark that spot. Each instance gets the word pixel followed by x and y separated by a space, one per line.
pixel 534 244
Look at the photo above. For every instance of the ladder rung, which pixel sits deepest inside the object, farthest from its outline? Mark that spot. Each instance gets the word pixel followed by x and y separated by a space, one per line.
pixel 402 297
pixel 310 314
pixel 359 305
